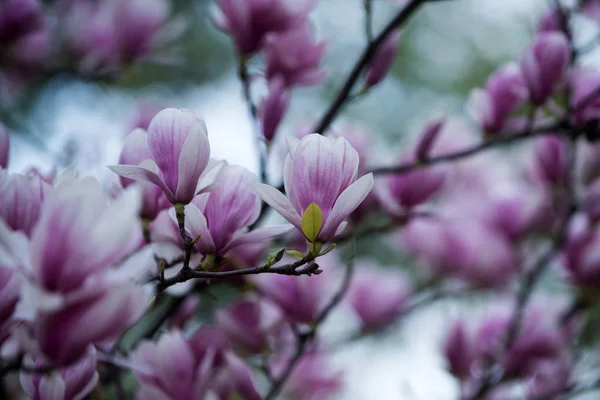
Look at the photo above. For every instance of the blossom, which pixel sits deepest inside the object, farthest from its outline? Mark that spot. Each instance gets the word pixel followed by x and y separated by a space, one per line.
pixel 249 21
pixel 4 146
pixel 322 172
pixel 179 146
pixel 273 107
pixel 222 216
pixel 545 64
pixel 551 162
pixel 584 82
pixel 21 200
pixel 294 56
pixel 383 59
pixel 73 382
pixel 504 92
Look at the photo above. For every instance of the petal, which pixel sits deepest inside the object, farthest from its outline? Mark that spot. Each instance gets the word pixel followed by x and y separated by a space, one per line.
pixel 193 160
pixel 279 202
pixel 257 235
pixel 196 224
pixel 207 182
pixel 142 174
pixel 52 387
pixel 348 201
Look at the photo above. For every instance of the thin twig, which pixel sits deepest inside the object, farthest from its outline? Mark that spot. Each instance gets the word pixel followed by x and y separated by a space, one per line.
pixel 303 339
pixel 368 7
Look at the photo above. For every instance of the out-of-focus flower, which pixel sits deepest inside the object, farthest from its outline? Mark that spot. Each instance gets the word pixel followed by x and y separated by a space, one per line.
pixel 458 349
pixel 134 151
pixel 551 162
pixel 580 256
pixel 73 382
pixel 591 9
pixel 428 137
pixel 550 21
pixel 320 173
pixel 591 201
pixel 169 369
pixel 545 64
pixel 273 107
pixel 398 193
pixel 583 83
pixel 21 200
pixel 13 245
pixel 383 60
pixel 504 92
pixel 222 216
pixel 249 21
pixel 185 312
pixel 294 56
pixel 312 379
pixel 551 379
pixel 235 379
pixel 179 146
pixel 248 323
pixel 377 296
pixel 210 341
pixel 4 146
pixel 18 18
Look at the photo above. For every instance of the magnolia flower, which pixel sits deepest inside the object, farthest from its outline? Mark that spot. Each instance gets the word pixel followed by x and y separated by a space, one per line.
pixel 504 92
pixel 73 382
pixel 383 60
pixel 545 64
pixel 320 181
pixel 4 146
pixel 222 216
pixel 249 21
pixel 294 56
pixel 179 146
pixel 551 162
pixel 21 200
pixel 134 151
pixel 273 107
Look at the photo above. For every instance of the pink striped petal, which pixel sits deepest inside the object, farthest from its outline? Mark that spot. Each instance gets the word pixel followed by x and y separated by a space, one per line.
pixel 279 202
pixel 142 174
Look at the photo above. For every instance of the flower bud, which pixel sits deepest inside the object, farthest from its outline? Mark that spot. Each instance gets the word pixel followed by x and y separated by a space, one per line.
pixel 551 164
pixel 428 137
pixel 458 349
pixel 273 107
pixel 504 92
pixel 584 82
pixel 4 146
pixel 294 56
pixel 545 64
pixel 383 60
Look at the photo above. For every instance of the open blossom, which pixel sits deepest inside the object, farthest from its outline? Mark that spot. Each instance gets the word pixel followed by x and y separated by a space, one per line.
pixel 72 294
pixel 21 200
pixel 179 146
pixel 504 92
pixel 383 60
pixel 322 171
pixel 73 382
pixel 222 216
pixel 294 56
pixel 4 146
pixel 249 21
pixel 545 64
pixel 248 323
pixel 377 297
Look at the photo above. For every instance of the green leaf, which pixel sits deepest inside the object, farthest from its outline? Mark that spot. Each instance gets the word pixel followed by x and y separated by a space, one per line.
pixel 312 219
pixel 295 253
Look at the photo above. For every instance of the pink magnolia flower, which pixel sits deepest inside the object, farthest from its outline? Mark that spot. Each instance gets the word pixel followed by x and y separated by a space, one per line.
pixel 377 296
pixel 169 369
pixel 313 379
pixel 222 216
pixel 21 200
pixel 429 136
pixel 580 257
pixel 210 341
pixel 32 50
pixel 545 64
pixel 235 379
pixel 73 382
pixel 504 92
pixel 4 146
pixel 583 83
pixel 322 171
pixel 249 21
pixel 179 146
pixel 18 18
pixel 273 107
pixel 13 251
pixel 458 349
pixel 248 323
pixel 591 9
pixel 294 56
pixel 134 151
pixel 550 21
pixel 383 60
pixel 137 23
pixel 551 164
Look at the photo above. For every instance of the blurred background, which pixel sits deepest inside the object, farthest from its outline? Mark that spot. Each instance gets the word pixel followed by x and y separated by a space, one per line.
pixel 448 48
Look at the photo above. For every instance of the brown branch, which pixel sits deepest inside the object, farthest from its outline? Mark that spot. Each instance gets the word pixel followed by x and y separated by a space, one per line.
pixel 367 55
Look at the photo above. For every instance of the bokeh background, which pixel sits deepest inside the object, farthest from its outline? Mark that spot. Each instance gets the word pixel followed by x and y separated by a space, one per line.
pixel 447 49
